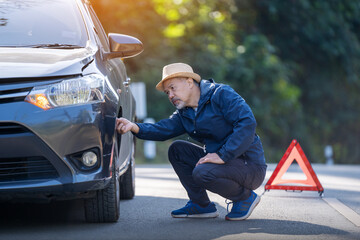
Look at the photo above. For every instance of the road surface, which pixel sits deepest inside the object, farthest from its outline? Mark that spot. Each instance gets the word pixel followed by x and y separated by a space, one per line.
pixel 280 214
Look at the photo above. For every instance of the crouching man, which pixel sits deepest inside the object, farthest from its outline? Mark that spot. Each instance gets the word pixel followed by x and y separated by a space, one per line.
pixel 231 163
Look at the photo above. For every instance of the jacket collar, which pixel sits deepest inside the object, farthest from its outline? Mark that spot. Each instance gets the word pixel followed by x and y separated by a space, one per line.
pixel 207 87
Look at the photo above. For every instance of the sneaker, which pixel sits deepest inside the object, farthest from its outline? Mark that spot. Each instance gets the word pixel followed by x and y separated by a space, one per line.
pixel 193 210
pixel 242 209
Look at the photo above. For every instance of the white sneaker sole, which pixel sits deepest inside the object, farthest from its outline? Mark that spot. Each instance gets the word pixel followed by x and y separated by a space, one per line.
pixel 255 203
pixel 202 215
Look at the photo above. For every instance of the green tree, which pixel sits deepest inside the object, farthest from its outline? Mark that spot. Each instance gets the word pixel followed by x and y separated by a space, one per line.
pixel 320 39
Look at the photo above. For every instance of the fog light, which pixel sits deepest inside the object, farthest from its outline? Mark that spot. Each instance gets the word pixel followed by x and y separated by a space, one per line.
pixel 89 159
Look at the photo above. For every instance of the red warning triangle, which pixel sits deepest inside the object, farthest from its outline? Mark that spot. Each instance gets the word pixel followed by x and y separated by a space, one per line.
pixel 294 153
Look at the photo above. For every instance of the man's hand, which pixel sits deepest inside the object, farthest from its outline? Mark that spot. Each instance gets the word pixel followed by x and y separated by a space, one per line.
pixel 210 158
pixel 123 126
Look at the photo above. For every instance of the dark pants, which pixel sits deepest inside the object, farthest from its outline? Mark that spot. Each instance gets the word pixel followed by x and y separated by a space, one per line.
pixel 233 180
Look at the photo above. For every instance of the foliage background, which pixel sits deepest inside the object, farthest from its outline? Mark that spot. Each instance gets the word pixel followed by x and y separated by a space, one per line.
pixel 296 63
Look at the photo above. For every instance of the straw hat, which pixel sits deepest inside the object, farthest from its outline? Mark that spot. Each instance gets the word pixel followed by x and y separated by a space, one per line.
pixel 177 70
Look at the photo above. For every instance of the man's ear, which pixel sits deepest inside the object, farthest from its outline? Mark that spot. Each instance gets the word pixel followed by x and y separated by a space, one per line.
pixel 190 81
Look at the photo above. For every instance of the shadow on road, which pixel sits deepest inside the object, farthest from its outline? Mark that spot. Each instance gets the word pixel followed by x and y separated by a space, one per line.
pixel 156 213
pixel 32 214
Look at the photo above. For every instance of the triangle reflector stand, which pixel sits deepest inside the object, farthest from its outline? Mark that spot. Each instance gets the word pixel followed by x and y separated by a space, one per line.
pixel 294 153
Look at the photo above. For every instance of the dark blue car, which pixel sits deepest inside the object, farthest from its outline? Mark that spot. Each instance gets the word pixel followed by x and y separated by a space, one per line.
pixel 62 85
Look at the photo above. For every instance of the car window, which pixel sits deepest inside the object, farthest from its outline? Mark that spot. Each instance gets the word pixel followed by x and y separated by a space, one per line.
pixel 36 22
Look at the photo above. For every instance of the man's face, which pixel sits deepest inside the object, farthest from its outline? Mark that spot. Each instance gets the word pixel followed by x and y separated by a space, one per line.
pixel 178 91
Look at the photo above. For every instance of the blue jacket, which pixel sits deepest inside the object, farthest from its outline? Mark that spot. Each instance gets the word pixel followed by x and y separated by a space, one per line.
pixel 223 122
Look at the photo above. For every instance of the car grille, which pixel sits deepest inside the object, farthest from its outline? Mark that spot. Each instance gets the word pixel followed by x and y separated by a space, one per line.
pixel 24 169
pixel 13 95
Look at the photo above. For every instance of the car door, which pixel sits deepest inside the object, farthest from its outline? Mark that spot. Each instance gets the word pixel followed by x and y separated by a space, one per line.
pixel 125 102
pixel 117 77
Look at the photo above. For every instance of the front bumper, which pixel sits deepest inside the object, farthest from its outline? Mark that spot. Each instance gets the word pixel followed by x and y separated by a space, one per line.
pixel 35 146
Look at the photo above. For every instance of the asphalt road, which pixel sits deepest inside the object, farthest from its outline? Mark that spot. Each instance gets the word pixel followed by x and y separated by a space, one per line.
pixel 280 214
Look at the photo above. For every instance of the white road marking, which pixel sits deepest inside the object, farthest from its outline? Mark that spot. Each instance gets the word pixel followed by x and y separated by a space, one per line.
pixel 347 212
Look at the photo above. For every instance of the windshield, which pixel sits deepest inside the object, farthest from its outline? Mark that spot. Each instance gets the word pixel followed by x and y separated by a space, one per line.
pixel 37 23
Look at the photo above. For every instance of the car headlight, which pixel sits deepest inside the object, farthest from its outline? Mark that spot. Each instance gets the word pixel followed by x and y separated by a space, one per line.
pixel 86 89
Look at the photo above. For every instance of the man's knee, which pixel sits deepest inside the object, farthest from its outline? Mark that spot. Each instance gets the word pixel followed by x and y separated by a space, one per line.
pixel 202 175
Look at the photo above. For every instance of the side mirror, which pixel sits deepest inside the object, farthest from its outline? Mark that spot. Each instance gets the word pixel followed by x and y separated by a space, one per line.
pixel 123 46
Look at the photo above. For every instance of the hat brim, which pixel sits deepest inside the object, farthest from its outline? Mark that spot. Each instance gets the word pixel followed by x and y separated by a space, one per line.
pixel 194 76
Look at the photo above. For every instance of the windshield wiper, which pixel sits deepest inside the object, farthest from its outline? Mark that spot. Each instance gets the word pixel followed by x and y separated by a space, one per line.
pixel 56 45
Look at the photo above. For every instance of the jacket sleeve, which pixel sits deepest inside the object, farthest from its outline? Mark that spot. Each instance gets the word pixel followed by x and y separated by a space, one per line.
pixel 238 113
pixel 162 130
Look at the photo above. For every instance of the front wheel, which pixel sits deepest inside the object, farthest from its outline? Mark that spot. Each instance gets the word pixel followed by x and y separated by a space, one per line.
pixel 105 206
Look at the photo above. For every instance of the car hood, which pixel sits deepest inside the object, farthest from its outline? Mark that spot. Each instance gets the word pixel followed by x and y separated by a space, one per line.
pixel 43 62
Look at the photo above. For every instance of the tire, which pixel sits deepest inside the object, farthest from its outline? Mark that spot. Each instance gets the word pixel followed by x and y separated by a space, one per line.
pixel 127 183
pixel 105 206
